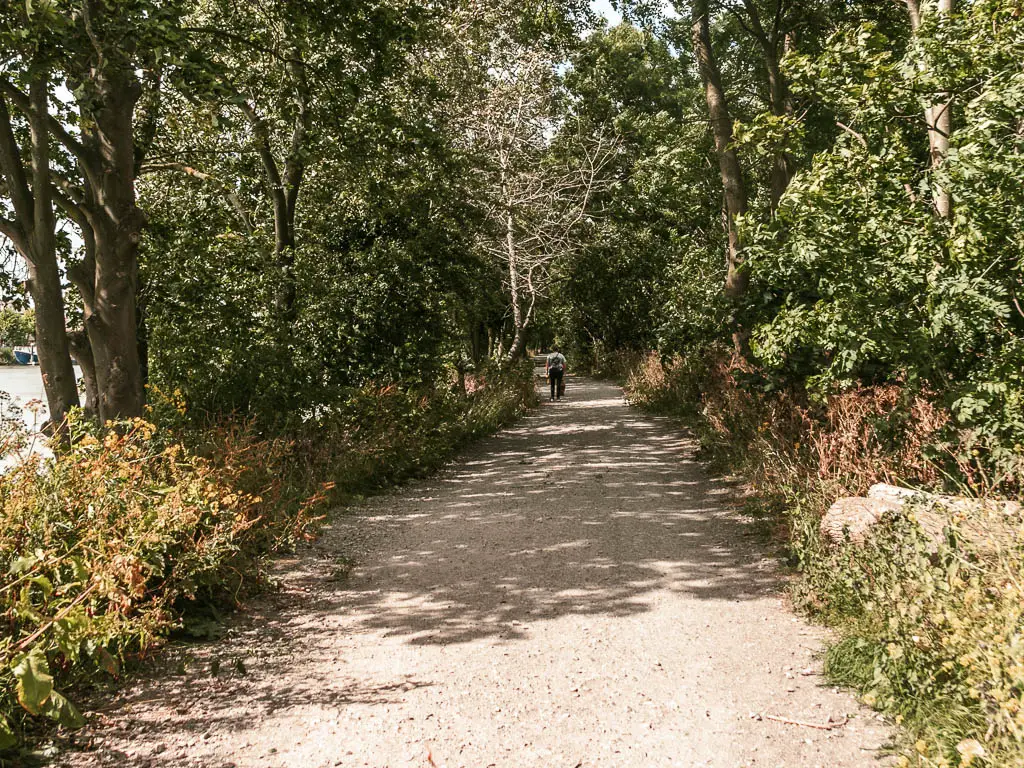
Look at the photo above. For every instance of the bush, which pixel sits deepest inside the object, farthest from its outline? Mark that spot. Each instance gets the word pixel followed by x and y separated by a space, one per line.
pixel 121 537
pixel 106 543
pixel 933 634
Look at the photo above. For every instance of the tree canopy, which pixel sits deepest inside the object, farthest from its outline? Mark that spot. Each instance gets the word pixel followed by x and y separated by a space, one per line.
pixel 266 205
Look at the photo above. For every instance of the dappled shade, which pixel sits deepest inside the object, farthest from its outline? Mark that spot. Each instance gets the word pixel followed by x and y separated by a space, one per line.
pixel 621 517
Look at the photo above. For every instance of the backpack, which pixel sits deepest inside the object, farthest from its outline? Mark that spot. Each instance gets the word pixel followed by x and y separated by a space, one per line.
pixel 557 365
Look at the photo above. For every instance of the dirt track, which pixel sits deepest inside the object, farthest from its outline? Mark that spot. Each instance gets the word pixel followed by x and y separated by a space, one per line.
pixel 574 592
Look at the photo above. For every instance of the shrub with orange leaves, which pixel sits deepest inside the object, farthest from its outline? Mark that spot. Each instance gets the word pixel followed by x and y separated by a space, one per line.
pixel 104 542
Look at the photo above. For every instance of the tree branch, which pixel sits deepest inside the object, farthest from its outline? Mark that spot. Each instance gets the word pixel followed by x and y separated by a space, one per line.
pixel 858 136
pixel 12 231
pixel 149 126
pixel 282 229
pixel 21 100
pixel 44 222
pixel 13 169
pixel 70 207
pixel 295 164
pixel 756 28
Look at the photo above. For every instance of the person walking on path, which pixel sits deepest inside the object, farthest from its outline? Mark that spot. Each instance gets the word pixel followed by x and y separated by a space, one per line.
pixel 555 370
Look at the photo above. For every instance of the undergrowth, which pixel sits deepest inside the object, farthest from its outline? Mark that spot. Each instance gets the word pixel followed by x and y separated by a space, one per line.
pixel 128 533
pixel 929 631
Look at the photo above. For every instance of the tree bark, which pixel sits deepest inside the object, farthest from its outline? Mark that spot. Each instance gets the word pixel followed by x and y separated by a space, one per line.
pixel 515 281
pixel 284 223
pixel 101 201
pixel 58 373
pixel 938 116
pixel 940 131
pixel 81 351
pixel 477 342
pixel 59 381
pixel 116 223
pixel 35 239
pixel 284 187
pixel 779 100
pixel 728 163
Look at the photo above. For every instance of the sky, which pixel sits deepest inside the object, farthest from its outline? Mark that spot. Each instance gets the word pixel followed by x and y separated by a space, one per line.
pixel 604 8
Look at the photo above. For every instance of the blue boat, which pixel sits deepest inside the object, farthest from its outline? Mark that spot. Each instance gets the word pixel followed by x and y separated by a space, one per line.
pixel 26 356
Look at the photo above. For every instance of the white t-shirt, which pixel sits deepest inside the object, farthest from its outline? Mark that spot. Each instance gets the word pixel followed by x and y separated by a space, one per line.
pixel 556 360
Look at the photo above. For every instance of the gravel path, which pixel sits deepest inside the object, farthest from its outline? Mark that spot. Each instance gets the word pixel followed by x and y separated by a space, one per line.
pixel 573 593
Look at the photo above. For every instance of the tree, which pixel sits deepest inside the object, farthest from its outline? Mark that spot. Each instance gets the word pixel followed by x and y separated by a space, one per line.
pixel 938 115
pixel 539 199
pixel 733 184
pixel 111 58
pixel 32 226
pixel 282 84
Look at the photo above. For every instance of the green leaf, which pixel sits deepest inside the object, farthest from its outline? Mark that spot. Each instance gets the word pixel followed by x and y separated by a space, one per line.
pixel 63 711
pixel 78 569
pixel 44 584
pixel 35 684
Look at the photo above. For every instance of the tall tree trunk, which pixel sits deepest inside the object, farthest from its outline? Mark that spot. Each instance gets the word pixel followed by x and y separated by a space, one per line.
pixel 81 351
pixel 942 114
pixel 102 203
pixel 728 163
pixel 781 106
pixel 284 186
pixel 44 275
pixel 116 224
pixel 283 202
pixel 477 342
pixel 515 286
pixel 58 373
pixel 938 116
pixel 142 331
pixel 33 232
pixel 779 100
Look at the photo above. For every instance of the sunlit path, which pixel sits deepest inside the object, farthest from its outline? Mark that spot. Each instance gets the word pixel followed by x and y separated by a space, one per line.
pixel 573 592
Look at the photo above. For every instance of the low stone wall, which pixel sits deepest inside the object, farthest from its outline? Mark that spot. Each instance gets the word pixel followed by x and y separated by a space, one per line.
pixel 851 518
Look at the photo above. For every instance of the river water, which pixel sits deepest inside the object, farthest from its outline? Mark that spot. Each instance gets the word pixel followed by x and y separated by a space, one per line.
pixel 24 383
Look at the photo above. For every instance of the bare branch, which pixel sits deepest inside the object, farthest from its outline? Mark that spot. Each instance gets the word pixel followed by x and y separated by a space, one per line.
pixel 858 136
pixel 12 231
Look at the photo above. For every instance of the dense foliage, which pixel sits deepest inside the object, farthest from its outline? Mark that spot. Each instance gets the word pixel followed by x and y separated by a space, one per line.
pixel 860 280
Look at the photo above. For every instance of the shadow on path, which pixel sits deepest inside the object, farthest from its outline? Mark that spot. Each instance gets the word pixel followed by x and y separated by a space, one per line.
pixel 587 507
